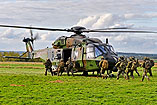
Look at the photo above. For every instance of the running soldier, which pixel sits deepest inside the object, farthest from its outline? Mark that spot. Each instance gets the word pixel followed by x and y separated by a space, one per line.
pixel 103 64
pixel 48 66
pixel 121 66
pixel 151 65
pixel 60 68
pixel 147 65
pixel 130 68
pixel 135 65
pixel 69 64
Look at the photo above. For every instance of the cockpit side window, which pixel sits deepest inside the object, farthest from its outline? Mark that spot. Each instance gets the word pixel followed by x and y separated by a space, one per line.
pixel 103 49
pixel 97 52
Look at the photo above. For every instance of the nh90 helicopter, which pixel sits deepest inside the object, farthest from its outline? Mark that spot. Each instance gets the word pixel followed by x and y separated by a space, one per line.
pixel 85 52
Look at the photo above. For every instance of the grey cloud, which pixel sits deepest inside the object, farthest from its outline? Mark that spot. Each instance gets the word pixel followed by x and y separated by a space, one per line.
pixel 89 13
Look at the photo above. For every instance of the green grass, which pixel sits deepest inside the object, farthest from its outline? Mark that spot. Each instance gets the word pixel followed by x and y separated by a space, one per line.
pixel 38 90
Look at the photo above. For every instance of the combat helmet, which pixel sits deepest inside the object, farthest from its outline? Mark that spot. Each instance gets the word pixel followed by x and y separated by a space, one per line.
pixel 130 58
pixel 122 58
pixel 146 58
pixel 119 59
pixel 102 57
pixel 133 58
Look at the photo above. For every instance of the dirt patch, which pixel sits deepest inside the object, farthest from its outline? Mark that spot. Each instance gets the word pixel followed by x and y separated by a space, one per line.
pixel 16 85
pixel 57 81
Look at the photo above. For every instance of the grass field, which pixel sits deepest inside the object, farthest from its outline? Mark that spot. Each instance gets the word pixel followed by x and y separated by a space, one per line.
pixel 25 83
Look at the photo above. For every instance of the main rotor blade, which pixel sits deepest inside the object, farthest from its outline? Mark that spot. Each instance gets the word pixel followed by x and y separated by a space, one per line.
pixel 119 31
pixel 36 28
pixel 113 28
pixel 107 30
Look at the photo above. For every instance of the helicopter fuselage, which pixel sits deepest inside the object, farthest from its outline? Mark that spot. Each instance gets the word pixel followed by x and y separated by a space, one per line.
pixel 85 52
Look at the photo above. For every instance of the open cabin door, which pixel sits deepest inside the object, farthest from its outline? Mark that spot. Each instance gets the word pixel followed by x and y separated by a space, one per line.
pixel 66 54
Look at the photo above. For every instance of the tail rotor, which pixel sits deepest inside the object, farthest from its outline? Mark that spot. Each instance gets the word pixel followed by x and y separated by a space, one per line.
pixel 30 43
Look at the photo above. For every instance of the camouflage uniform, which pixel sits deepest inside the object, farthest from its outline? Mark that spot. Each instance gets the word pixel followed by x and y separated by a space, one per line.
pixel 69 66
pixel 136 65
pixel 48 66
pixel 147 65
pixel 60 68
pixel 152 64
pixel 129 68
pixel 103 64
pixel 121 66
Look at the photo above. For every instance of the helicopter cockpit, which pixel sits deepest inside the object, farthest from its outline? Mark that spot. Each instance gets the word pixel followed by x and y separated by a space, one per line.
pixel 111 49
pixel 96 50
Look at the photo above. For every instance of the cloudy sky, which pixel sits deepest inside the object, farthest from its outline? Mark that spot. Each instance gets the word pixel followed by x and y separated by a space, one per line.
pixel 136 14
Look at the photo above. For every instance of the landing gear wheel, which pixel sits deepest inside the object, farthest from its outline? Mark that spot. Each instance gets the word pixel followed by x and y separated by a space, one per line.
pixel 85 73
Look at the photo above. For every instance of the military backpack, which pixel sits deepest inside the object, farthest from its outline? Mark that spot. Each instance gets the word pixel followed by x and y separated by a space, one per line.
pixel 122 65
pixel 105 64
pixel 148 64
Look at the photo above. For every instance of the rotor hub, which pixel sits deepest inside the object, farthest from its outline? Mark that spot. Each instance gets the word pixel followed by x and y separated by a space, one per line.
pixel 78 29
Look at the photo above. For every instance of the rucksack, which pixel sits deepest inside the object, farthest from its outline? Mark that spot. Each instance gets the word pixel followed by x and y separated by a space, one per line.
pixel 134 65
pixel 148 64
pixel 122 65
pixel 152 62
pixel 105 64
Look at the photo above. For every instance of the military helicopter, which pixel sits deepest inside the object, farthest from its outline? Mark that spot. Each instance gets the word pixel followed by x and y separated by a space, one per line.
pixel 84 51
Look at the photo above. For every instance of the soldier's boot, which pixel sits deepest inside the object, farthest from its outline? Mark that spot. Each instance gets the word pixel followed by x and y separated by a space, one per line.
pixel 68 72
pixel 137 73
pixel 103 76
pixel 51 71
pixel 58 73
pixel 147 78
pixel 46 72
pixel 150 72
pixel 132 77
pixel 142 78
pixel 125 77
pixel 107 76
pixel 98 72
pixel 61 73
pixel 72 71
pixel 117 77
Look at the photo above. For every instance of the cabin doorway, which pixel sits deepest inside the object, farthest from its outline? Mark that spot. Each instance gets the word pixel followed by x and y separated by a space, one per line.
pixel 66 54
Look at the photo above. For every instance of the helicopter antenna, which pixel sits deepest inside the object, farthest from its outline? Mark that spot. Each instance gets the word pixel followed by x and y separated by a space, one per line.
pixel 106 40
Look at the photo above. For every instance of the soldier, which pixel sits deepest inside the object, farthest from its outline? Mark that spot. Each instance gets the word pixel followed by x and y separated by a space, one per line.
pixel 60 68
pixel 151 65
pixel 121 66
pixel 103 64
pixel 135 65
pixel 147 65
pixel 48 66
pixel 69 66
pixel 130 68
